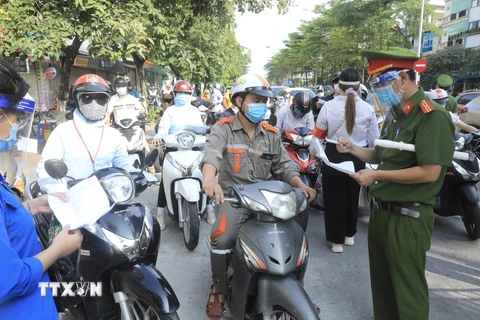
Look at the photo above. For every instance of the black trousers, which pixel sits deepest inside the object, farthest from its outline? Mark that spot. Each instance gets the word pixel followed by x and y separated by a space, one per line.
pixel 340 196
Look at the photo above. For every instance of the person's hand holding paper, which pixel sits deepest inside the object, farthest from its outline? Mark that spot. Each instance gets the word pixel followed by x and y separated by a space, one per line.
pixel 87 202
pixel 317 150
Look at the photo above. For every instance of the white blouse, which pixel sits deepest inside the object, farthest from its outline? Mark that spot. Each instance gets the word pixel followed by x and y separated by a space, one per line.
pixel 331 122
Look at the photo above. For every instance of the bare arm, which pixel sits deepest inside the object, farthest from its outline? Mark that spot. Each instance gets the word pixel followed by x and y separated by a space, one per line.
pixel 462 125
pixel 210 187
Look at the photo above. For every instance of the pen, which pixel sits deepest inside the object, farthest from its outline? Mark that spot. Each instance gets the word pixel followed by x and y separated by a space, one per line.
pixel 398 131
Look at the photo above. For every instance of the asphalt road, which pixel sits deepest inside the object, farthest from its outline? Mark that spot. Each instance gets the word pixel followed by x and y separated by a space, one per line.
pixel 338 283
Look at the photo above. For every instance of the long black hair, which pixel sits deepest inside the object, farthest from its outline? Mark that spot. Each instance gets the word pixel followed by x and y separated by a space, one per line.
pixel 350 75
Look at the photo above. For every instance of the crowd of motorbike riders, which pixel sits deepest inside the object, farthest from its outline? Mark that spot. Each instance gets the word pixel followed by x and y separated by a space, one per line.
pixel 246 154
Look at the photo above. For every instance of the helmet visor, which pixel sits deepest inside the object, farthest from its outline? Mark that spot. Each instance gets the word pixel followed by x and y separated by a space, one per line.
pixel 11 161
pixel 388 94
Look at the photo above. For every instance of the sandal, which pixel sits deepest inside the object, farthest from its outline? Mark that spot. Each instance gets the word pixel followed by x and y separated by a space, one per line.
pixel 215 308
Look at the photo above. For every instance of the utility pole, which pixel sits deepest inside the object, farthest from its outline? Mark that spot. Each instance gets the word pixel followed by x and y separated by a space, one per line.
pixel 419 49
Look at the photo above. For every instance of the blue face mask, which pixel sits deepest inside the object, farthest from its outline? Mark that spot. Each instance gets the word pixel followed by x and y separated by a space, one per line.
pixel 256 112
pixel 182 99
pixel 388 97
pixel 6 145
pixel 298 113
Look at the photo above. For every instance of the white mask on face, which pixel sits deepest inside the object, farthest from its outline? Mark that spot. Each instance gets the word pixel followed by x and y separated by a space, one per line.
pixel 122 91
pixel 337 88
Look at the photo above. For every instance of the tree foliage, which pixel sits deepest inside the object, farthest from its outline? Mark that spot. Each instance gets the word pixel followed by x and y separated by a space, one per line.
pixel 194 37
pixel 457 61
pixel 342 28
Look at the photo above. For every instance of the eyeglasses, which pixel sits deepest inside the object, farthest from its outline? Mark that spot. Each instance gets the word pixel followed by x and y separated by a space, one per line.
pixel 100 97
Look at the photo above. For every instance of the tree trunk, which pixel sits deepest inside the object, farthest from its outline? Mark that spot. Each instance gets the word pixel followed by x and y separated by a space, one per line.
pixel 139 61
pixel 67 62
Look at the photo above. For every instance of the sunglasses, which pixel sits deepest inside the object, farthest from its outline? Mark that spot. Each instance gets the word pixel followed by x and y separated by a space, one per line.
pixel 87 98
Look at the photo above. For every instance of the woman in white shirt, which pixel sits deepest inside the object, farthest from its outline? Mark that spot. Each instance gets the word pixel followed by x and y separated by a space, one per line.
pixel 345 116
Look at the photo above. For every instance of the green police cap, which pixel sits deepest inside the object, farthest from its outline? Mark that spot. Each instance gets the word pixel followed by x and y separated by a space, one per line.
pixel 379 61
pixel 444 80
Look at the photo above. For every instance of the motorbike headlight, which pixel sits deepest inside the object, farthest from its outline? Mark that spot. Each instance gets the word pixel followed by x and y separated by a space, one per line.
pixel 120 187
pixel 185 171
pixel 464 173
pixel 301 141
pixel 185 139
pixel 304 205
pixel 459 144
pixel 255 205
pixel 283 206
pixel 128 246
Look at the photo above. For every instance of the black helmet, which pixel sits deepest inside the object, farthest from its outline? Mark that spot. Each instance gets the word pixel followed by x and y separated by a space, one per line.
pixel 336 76
pixel 209 86
pixel 302 102
pixel 129 84
pixel 120 81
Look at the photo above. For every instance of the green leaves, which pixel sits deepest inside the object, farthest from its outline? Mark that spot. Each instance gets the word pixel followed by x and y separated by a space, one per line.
pixel 333 40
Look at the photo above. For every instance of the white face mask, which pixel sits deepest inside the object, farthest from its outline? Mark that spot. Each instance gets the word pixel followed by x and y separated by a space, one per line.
pixel 337 88
pixel 122 91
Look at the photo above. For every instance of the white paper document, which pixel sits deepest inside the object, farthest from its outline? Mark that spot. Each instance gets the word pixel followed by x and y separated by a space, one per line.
pixel 28 145
pixel 87 202
pixel 346 167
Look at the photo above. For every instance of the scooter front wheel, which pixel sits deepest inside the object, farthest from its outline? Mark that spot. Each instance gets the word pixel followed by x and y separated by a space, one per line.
pixel 191 226
pixel 471 220
pixel 141 310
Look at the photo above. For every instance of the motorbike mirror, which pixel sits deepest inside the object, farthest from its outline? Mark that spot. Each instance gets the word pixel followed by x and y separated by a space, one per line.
pixel 56 169
pixel 273 120
pixel 151 157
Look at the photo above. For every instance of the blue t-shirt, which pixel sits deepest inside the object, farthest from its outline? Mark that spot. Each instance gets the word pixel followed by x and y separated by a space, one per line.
pixel 20 272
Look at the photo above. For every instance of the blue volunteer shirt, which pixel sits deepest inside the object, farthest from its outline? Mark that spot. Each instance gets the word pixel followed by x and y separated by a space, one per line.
pixel 20 272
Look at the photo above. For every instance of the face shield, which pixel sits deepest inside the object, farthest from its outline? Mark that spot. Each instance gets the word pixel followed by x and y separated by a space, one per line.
pixel 12 158
pixel 388 91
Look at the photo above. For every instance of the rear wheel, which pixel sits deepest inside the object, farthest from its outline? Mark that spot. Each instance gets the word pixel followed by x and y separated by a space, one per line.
pixel 36 118
pixel 471 220
pixel 51 114
pixel 140 311
pixel 191 226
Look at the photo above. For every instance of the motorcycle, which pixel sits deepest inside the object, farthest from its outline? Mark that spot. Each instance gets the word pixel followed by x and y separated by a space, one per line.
pixel 210 113
pixel 119 250
pixel 183 179
pixel 270 257
pixel 134 137
pixel 297 142
pixel 459 194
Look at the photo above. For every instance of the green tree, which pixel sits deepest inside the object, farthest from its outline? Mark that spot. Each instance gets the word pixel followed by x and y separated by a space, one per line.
pixel 334 39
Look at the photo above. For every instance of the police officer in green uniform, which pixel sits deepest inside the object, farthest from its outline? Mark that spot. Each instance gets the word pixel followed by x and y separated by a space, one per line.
pixel 403 187
pixel 445 82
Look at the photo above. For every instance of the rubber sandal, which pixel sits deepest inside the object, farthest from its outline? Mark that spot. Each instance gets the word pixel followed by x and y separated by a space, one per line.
pixel 215 308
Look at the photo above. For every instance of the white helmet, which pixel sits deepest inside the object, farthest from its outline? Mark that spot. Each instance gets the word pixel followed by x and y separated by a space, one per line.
pixel 251 83
pixel 438 95
pixel 363 91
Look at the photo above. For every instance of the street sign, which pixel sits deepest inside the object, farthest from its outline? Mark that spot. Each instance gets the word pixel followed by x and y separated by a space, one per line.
pixel 420 65
pixel 50 73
